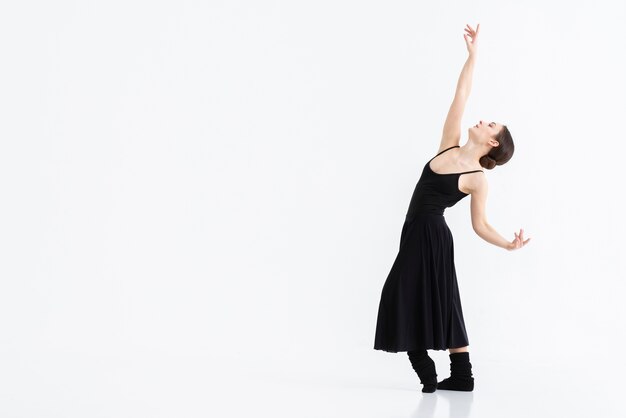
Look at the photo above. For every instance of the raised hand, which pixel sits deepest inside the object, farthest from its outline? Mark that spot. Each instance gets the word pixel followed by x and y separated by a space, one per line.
pixel 472 45
pixel 518 242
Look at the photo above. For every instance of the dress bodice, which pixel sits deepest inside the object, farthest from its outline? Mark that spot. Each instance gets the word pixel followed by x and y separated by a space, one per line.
pixel 435 192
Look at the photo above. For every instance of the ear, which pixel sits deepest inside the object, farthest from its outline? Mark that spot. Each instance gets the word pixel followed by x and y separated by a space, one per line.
pixel 493 143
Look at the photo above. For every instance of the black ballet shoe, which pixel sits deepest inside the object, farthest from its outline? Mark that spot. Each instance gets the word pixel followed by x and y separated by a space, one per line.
pixel 424 366
pixel 460 374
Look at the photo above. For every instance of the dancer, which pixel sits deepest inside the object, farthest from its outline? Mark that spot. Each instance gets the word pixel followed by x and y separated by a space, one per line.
pixel 420 305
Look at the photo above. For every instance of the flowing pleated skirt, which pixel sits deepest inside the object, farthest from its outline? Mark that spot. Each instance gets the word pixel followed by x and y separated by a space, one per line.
pixel 420 305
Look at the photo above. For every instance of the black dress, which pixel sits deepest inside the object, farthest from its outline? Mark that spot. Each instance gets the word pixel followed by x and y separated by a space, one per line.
pixel 420 305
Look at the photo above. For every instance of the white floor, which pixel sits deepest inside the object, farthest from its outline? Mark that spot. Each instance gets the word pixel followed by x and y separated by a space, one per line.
pixel 244 384
pixel 510 392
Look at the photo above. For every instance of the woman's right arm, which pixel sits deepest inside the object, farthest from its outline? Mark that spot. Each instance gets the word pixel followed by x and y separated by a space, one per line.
pixel 451 135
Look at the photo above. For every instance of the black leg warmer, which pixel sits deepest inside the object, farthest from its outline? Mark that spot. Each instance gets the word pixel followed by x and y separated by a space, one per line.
pixel 424 366
pixel 460 373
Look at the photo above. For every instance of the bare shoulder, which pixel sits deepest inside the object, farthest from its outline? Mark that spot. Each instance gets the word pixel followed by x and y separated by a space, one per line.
pixel 474 183
pixel 447 142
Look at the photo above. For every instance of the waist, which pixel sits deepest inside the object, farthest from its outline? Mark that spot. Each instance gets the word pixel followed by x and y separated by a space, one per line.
pixel 433 215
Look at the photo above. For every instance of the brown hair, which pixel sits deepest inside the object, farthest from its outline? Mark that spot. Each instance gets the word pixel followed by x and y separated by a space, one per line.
pixel 500 154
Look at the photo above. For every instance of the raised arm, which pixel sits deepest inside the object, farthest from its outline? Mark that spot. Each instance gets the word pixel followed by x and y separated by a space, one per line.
pixel 479 188
pixel 452 127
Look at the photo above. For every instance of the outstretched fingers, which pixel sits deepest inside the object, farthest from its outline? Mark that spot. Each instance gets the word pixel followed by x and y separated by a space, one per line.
pixel 471 30
pixel 519 238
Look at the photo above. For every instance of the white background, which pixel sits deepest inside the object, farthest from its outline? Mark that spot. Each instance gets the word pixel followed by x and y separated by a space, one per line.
pixel 201 202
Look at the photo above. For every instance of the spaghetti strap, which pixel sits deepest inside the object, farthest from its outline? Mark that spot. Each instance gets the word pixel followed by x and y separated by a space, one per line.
pixel 454 146
pixel 473 171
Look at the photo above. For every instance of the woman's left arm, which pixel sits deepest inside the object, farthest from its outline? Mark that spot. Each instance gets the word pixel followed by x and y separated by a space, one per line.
pixel 479 221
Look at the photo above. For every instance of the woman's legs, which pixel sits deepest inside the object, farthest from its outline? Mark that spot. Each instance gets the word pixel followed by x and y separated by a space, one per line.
pixel 459 350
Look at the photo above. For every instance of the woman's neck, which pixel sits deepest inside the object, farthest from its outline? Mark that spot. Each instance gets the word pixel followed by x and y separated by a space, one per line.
pixel 470 154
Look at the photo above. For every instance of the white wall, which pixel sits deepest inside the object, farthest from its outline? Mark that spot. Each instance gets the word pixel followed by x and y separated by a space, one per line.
pixel 199 192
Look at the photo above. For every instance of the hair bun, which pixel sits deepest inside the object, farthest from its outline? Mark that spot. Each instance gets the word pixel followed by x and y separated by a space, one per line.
pixel 487 162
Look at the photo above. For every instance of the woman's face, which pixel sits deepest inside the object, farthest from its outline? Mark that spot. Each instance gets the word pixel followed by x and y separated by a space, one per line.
pixel 485 132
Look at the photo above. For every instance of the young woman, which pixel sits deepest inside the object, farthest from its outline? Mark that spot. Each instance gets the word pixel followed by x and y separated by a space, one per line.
pixel 420 305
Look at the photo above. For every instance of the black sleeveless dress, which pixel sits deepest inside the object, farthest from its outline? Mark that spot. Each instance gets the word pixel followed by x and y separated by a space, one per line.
pixel 420 305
